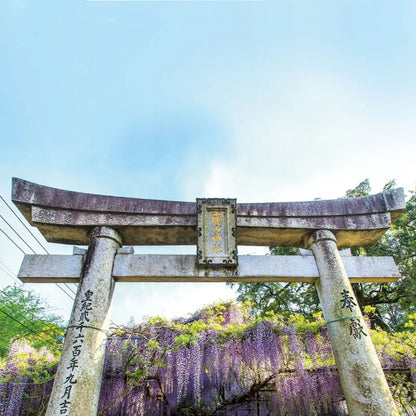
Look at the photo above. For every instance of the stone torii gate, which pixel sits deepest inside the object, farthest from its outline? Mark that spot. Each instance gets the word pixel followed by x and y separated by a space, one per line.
pixel 107 224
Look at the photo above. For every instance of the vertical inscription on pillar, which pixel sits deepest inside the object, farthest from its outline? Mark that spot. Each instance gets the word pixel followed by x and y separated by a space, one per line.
pixel 356 329
pixel 217 240
pixel 347 301
pixel 73 364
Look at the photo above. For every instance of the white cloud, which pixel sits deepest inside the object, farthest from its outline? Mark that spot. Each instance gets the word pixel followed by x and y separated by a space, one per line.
pixel 314 136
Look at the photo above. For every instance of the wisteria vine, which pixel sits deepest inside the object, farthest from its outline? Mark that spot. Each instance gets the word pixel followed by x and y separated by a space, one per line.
pixel 219 362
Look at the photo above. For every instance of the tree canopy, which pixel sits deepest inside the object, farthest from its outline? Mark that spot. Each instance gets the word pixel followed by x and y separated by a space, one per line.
pixel 25 315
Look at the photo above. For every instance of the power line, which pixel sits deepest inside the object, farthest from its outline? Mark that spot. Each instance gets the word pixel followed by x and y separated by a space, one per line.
pixel 32 250
pixel 70 289
pixel 25 253
pixel 8 270
pixel 24 225
pixel 12 241
pixel 21 238
pixel 24 326
pixel 10 273
pixel 63 290
pixel 26 319
pixel 24 241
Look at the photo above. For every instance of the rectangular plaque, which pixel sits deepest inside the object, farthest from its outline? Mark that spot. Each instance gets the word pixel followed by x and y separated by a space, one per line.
pixel 217 240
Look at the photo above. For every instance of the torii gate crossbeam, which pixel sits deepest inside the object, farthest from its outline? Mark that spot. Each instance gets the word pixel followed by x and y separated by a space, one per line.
pixel 105 223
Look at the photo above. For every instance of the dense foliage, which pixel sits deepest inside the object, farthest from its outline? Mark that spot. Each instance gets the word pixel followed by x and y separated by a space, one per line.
pixel 395 301
pixel 221 361
pixel 25 315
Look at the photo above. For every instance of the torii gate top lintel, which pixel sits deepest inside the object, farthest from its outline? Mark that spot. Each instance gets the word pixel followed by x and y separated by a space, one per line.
pixel 68 217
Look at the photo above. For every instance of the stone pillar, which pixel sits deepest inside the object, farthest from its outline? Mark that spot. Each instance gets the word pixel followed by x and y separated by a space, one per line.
pixel 364 384
pixel 76 389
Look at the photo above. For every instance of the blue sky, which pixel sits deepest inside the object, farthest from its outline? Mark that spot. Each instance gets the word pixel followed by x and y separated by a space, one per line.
pixel 258 100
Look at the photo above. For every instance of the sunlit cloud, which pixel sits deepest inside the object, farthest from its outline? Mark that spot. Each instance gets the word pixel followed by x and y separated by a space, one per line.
pixel 313 144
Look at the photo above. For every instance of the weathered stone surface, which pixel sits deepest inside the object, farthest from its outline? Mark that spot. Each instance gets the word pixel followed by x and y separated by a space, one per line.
pixel 67 217
pixel 183 268
pixel 365 388
pixel 56 268
pixel 77 382
pixel 79 251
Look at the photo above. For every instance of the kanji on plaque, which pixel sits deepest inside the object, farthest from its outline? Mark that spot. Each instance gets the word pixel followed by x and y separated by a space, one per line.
pixel 216 232
pixel 217 244
pixel 217 217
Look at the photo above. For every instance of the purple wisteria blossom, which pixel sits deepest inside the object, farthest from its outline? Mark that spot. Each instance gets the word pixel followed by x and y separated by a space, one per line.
pixel 194 367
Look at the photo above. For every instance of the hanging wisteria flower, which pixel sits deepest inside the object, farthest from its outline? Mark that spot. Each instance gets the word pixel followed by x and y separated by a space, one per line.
pixel 217 362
